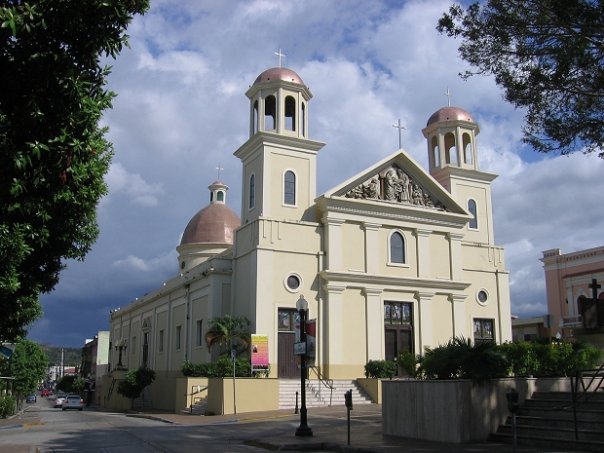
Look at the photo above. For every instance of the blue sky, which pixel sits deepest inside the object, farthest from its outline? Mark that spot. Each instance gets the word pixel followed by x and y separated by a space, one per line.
pixel 181 111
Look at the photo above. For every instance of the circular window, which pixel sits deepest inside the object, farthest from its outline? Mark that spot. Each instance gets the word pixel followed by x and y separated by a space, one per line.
pixel 482 296
pixel 293 282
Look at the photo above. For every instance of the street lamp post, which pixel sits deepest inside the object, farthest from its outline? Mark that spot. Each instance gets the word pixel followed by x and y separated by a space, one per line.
pixel 303 430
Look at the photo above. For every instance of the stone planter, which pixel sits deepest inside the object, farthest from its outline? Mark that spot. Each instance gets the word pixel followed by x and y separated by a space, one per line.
pixel 454 411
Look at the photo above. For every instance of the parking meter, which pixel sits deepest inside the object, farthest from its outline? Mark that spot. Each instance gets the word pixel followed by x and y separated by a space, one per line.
pixel 512 397
pixel 348 399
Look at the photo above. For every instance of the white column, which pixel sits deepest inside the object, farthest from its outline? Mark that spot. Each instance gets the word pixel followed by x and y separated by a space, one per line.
pixel 456 256
pixel 423 252
pixel 334 328
pixel 424 335
pixel 460 327
pixel 374 318
pixel 334 243
pixel 372 247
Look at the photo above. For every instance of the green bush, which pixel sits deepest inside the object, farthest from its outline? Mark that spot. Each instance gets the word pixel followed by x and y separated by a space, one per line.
pixel 223 367
pixel 460 359
pixel 135 382
pixel 408 362
pixel 380 369
pixel 8 406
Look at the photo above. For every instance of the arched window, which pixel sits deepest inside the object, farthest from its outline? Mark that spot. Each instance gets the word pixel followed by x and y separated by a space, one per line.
pixel 450 149
pixel 220 195
pixel 255 118
pixel 252 200
pixel 289 188
pixel 290 113
pixel 303 120
pixel 435 152
pixel 270 112
pixel 397 248
pixel 472 208
pixel 467 149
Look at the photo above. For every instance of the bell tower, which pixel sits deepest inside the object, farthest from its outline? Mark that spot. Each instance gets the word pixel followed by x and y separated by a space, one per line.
pixel 453 162
pixel 279 160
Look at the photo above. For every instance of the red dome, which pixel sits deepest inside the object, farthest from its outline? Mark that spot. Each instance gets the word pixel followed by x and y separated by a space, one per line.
pixel 449 114
pixel 279 74
pixel 214 224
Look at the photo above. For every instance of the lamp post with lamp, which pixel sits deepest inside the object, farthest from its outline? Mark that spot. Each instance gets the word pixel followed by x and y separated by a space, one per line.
pixel 302 306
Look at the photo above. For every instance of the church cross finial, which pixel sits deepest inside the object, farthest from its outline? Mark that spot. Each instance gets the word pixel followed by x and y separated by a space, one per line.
pixel 448 94
pixel 400 128
pixel 219 168
pixel 280 55
pixel 594 286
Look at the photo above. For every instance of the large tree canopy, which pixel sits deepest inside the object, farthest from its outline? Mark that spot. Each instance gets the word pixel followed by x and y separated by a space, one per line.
pixel 548 55
pixel 53 154
pixel 28 366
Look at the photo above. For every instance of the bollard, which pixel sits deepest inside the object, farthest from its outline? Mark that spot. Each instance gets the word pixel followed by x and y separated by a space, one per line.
pixel 296 411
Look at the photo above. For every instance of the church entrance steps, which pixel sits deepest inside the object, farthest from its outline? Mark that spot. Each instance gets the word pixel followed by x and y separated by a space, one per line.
pixel 198 408
pixel 547 420
pixel 318 395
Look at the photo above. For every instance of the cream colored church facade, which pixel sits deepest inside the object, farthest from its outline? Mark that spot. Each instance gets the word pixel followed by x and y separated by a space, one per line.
pixel 396 258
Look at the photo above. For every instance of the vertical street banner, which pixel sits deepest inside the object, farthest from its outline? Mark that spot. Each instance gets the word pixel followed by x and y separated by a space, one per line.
pixel 311 341
pixel 259 352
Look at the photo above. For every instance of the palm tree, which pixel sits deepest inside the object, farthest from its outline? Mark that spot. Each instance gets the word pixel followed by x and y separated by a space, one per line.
pixel 228 333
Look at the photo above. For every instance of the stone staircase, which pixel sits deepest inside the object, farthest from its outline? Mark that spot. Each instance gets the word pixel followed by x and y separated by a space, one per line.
pixel 199 407
pixel 318 395
pixel 546 420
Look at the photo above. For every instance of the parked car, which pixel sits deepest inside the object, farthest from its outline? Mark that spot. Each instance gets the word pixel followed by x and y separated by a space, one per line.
pixel 31 398
pixel 73 402
pixel 60 399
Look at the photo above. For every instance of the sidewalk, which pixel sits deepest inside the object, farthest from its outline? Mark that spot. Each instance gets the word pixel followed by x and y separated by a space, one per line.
pixel 330 432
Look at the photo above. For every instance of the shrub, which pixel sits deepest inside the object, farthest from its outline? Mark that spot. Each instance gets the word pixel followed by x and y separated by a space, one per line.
pixel 8 406
pixel 408 362
pixel 445 362
pixel 223 367
pixel 135 382
pixel 380 369
pixel 522 358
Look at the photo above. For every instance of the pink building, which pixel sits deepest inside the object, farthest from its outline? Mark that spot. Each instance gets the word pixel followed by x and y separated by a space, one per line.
pixel 567 278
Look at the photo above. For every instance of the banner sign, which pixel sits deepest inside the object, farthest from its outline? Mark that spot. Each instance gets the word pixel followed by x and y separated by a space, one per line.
pixel 259 351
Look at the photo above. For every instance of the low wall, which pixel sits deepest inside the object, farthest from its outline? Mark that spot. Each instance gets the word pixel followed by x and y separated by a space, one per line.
pixel 373 388
pixel 454 411
pixel 189 390
pixel 251 395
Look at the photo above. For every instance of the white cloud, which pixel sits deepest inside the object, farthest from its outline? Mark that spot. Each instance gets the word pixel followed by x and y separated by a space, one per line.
pixel 135 263
pixel 133 185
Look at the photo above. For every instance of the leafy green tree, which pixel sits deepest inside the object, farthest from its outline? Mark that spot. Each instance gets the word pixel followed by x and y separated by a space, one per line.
pixel 53 153
pixel 228 332
pixel 71 384
pixel 28 367
pixel 135 382
pixel 548 56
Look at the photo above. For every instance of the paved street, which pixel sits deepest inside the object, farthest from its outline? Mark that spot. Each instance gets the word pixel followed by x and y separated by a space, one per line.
pixel 41 428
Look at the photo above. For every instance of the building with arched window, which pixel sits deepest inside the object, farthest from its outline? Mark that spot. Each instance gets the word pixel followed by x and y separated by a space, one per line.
pixel 394 259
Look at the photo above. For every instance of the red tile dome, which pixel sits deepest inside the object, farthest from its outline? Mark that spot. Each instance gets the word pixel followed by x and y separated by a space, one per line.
pixel 284 74
pixel 214 224
pixel 449 114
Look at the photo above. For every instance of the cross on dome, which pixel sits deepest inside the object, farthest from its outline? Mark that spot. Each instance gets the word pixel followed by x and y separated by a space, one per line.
pixel 219 168
pixel 280 55
pixel 448 94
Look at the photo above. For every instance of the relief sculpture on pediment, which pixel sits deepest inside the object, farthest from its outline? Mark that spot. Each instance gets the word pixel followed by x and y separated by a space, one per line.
pixel 395 186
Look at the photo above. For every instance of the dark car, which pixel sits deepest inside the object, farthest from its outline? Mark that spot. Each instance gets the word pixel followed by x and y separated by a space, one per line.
pixel 31 398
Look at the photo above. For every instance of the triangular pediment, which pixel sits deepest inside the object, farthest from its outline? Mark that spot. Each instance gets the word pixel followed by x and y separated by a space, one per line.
pixel 398 180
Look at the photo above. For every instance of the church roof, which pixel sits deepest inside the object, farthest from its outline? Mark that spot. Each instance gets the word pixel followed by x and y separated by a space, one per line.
pixel 449 114
pixel 213 224
pixel 284 74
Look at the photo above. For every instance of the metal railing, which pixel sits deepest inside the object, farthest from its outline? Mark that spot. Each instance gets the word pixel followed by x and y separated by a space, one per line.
pixel 327 383
pixel 582 393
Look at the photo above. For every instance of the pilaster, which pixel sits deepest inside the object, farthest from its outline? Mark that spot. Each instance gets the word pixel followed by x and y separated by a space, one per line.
pixel 371 247
pixel 458 307
pixel 423 252
pixel 334 243
pixel 425 334
pixel 374 316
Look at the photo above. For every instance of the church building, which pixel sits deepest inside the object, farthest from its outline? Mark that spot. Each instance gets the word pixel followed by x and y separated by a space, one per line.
pixel 396 258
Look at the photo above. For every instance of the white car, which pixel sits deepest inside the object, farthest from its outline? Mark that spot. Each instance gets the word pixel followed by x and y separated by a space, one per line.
pixel 73 402
pixel 59 400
